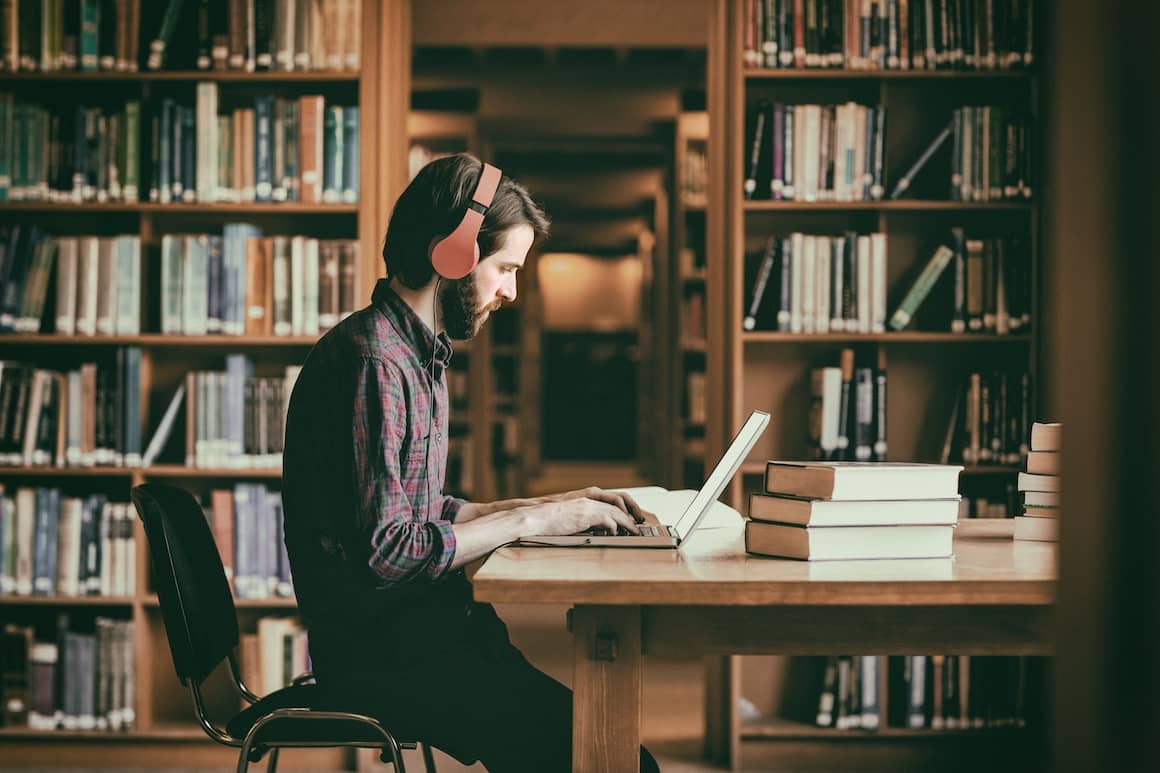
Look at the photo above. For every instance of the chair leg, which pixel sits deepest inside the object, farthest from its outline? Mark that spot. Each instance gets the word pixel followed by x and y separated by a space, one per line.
pixel 244 759
pixel 272 765
pixel 428 758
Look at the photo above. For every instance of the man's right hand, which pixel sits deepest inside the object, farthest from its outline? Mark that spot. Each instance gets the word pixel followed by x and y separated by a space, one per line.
pixel 572 516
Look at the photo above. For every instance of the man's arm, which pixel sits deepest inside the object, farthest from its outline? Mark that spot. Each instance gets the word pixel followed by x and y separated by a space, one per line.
pixel 498 523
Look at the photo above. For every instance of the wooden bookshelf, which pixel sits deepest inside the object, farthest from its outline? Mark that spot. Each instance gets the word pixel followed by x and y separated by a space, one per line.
pixel 769 370
pixel 164 714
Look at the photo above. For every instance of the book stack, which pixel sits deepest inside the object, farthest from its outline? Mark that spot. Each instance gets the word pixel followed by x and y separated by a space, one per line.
pixel 1040 486
pixel 818 511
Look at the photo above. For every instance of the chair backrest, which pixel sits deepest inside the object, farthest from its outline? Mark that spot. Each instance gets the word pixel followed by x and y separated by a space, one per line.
pixel 196 605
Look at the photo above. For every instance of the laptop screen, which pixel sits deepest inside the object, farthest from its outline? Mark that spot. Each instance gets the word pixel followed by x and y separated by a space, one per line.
pixel 721 475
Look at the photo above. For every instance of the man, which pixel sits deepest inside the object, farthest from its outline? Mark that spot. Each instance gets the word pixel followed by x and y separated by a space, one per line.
pixel 377 550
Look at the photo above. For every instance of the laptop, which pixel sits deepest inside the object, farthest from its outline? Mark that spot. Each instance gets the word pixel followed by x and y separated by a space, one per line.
pixel 657 535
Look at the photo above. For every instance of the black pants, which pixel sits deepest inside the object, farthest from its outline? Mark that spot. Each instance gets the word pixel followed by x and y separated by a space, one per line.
pixel 444 672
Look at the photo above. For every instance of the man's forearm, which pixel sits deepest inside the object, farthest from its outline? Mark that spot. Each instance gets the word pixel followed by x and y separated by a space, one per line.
pixel 472 510
pixel 482 534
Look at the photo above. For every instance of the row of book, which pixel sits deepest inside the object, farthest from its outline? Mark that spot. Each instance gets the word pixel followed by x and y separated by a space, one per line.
pixel 827 510
pixel 233 419
pixel 889 34
pixel 991 419
pixel 923 691
pixel 131 35
pixel 98 283
pixel 848 410
pixel 989 288
pixel 274 655
pixel 816 152
pixel 238 283
pixel 809 152
pixel 811 283
pixel 90 416
pixel 1040 485
pixel 276 150
pixel 247 526
pixel 242 283
pixel 83 680
pixel 52 544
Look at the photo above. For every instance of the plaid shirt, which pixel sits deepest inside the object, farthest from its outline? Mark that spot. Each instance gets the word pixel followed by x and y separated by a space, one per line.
pixel 362 478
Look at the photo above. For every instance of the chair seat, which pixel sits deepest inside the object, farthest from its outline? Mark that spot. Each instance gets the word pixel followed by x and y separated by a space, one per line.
pixel 299 731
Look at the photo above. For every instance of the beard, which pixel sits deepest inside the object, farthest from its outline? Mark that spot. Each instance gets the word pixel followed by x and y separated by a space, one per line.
pixel 460 307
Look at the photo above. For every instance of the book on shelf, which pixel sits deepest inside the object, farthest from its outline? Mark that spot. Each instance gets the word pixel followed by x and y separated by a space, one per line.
pixel 903 35
pixel 83 680
pixel 989 420
pixel 847 419
pixel 813 543
pixel 862 480
pixel 815 283
pixel 949 692
pixel 823 513
pixel 247 527
pixel 81 417
pixel 134 35
pixel 56 544
pixel 813 152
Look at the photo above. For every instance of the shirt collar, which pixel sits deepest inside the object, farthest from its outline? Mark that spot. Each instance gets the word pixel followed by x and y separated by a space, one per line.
pixel 412 329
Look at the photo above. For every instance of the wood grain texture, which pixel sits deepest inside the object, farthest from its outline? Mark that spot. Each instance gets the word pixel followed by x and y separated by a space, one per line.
pixel 606 697
pixel 713 569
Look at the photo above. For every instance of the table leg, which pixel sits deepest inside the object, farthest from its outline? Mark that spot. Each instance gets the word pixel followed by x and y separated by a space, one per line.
pixel 607 683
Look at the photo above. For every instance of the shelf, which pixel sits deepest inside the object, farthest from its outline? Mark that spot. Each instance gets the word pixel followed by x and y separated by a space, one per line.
pixel 164 733
pixel 68 472
pixel 772 336
pixel 837 73
pixel 66 601
pixel 276 602
pixel 287 208
pixel 155 340
pixel 787 729
pixel 181 471
pixel 221 76
pixel 901 205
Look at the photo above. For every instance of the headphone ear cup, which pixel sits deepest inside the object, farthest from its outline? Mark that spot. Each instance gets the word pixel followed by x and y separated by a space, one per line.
pixel 456 255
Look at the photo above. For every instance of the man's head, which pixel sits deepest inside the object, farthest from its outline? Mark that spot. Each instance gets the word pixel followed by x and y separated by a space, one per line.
pixel 430 208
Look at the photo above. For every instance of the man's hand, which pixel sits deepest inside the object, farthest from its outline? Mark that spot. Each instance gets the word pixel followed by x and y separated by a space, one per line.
pixel 575 512
pixel 621 500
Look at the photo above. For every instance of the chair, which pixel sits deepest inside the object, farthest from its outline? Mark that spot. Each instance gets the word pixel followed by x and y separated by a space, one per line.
pixel 202 626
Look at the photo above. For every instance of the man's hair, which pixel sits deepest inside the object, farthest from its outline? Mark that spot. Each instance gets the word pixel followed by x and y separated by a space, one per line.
pixel 432 206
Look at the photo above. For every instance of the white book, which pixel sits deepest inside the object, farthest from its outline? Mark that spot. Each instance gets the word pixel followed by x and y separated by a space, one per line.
pixel 877 282
pixel 822 512
pixel 88 276
pixel 164 428
pixel 25 528
pixel 66 285
pixel 823 266
pixel 863 282
pixel 171 282
pixel 68 547
pixel 107 287
pixel 1041 498
pixel 1036 529
pixel 297 282
pixel 195 285
pixel 310 288
pixel 207 142
pixel 7 544
pixel 863 480
pixel 809 292
pixel 1031 482
pixel 848 542
pixel 127 320
pixel 797 250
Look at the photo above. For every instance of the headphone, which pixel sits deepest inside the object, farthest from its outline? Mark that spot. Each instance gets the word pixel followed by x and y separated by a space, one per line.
pixel 453 257
pixel 456 254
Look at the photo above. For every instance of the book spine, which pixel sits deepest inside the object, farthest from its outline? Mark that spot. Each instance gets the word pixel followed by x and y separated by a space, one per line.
pixel 921 288
pixel 879 453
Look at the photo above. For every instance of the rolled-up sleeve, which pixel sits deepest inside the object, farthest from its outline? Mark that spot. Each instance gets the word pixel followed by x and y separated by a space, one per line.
pixel 403 544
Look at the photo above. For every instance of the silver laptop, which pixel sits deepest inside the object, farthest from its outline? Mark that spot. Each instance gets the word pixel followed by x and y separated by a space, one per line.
pixel 657 535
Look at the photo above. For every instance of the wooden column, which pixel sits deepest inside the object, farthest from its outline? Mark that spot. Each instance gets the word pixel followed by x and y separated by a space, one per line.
pixel 606 685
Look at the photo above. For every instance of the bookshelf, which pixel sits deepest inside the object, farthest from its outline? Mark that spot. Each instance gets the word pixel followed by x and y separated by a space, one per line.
pixel 164 723
pixel 689 272
pixel 769 369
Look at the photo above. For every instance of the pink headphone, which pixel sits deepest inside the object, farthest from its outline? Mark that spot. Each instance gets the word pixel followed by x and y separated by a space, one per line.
pixel 456 254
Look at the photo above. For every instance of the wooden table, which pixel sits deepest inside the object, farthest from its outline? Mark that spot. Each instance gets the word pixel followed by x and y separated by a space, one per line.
pixel 993 597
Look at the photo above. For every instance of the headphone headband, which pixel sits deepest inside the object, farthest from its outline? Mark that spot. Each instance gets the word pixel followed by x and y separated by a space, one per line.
pixel 456 254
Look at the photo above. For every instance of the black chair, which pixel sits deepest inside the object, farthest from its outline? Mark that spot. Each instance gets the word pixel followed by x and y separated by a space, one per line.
pixel 202 626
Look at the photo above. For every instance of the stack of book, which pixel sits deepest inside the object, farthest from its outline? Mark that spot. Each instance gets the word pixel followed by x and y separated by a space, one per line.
pixel 1040 486
pixel 851 510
